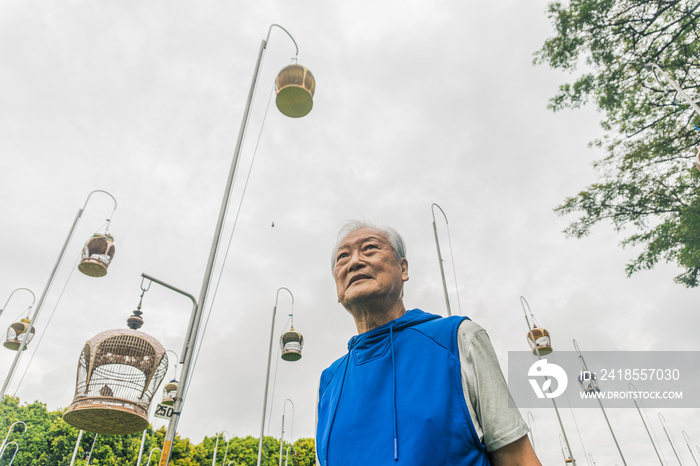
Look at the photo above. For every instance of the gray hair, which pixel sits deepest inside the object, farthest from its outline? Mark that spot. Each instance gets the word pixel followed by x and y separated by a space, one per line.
pixel 391 235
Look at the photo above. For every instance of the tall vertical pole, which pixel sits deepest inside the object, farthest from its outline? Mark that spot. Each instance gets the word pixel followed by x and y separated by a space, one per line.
pixel 442 268
pixel 686 437
pixel 196 319
pixel 75 450
pixel 668 436
pixel 284 408
pixel 632 387
pixel 267 376
pixel 523 301
pixel 595 383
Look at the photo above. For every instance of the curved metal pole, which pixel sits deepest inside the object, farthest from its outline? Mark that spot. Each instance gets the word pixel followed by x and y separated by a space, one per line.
pixel 442 269
pixel 668 436
pixel 195 322
pixel 686 437
pixel 9 431
pixel 23 344
pixel 227 442
pixel 591 461
pixel 213 460
pixel 595 384
pixel 267 376
pixel 284 408
pixel 286 460
pixel 91 449
pixel 13 292
pixel 631 386
pixel 15 453
pixel 109 219
pixel 523 303
pixel 290 36
pixel 149 455
pixel 674 84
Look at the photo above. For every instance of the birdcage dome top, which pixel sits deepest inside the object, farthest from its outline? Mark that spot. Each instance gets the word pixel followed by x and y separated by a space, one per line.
pixel 102 336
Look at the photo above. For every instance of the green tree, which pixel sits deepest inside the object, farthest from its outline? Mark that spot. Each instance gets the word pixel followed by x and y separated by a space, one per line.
pixel 646 182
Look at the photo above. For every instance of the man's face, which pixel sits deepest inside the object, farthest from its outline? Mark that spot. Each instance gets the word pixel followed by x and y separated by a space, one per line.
pixel 366 268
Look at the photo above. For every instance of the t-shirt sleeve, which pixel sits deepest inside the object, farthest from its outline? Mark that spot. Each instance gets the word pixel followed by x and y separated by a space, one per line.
pixel 496 420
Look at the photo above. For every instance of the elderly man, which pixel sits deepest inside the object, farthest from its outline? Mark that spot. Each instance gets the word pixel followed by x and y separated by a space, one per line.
pixel 414 388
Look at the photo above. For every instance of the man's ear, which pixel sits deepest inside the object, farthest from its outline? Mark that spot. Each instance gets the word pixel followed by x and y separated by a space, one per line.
pixel 404 269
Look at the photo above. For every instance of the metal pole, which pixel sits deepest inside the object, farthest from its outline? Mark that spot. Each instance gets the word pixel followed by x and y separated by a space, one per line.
pixel 595 382
pixel 227 442
pixel 292 432
pixel 91 448
pixel 630 385
pixel 196 319
pixel 267 376
pixel 143 441
pixel 213 461
pixel 23 344
pixel 686 437
pixel 442 269
pixel 187 352
pixel 9 431
pixel 523 301
pixel 75 450
pixel 673 447
pixel 674 84
pixel 13 292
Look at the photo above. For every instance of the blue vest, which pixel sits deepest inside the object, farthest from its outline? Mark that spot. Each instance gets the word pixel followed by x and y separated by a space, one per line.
pixel 397 397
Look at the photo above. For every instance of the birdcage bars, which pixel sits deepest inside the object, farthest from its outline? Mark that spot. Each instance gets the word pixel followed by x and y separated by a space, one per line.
pixel 97 255
pixel 119 371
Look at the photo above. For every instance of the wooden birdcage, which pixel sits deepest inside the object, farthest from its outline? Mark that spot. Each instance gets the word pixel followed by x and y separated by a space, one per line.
pixel 295 86
pixel 97 255
pixel 542 343
pixel 119 371
pixel 291 343
pixel 169 392
pixel 16 333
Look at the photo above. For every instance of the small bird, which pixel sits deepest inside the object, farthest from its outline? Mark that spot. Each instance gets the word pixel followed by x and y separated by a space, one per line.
pixel 273 224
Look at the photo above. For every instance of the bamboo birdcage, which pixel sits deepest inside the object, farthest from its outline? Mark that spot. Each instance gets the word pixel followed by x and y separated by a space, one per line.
pixel 119 371
pixel 97 255
pixel 291 343
pixel 16 333
pixel 295 86
pixel 169 392
pixel 542 342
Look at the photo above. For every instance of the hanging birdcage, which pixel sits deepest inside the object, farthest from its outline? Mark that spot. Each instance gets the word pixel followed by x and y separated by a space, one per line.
pixel 169 392
pixel 295 86
pixel 119 371
pixel 97 255
pixel 588 382
pixel 291 343
pixel 542 342
pixel 17 333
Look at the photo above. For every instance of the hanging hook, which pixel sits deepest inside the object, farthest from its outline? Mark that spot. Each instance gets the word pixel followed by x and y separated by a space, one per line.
pixel 109 219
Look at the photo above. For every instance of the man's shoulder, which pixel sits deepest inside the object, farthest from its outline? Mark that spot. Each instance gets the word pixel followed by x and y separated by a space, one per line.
pixel 328 373
pixel 442 330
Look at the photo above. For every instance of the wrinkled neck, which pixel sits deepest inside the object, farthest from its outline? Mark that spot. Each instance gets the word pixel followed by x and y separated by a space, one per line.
pixel 371 315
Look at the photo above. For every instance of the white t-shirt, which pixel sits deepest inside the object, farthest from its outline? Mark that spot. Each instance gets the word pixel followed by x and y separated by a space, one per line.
pixel 490 405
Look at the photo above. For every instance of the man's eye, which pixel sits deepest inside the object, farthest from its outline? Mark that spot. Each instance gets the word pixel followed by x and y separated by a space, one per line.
pixel 341 256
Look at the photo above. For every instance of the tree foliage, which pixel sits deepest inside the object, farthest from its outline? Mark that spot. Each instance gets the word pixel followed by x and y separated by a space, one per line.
pixel 49 441
pixel 646 182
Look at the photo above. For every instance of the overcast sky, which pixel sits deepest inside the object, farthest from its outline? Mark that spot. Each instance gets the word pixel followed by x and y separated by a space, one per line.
pixel 426 102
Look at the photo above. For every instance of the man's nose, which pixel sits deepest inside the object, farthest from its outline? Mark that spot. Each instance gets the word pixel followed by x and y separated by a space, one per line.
pixel 355 261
